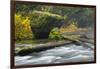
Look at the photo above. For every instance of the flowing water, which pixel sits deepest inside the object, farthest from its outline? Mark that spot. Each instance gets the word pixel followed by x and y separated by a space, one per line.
pixel 67 53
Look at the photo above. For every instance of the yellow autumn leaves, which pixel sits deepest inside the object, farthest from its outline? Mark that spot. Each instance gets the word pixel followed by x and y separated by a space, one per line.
pixel 22 27
pixel 70 28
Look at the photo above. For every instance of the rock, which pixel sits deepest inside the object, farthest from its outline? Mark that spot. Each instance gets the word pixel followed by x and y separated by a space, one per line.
pixel 43 22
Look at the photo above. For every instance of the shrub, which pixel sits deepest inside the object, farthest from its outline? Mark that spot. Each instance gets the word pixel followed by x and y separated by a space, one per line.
pixel 72 27
pixel 55 34
pixel 22 27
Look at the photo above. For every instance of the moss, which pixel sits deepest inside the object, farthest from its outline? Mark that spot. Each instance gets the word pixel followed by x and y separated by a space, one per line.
pixel 43 22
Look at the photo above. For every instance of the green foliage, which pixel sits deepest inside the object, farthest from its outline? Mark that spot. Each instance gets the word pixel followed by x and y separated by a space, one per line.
pixel 40 19
pixel 55 34
pixel 43 22
pixel 83 15
pixel 43 18
pixel 22 27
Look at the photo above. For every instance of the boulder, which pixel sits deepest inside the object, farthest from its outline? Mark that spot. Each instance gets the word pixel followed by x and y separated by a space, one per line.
pixel 43 22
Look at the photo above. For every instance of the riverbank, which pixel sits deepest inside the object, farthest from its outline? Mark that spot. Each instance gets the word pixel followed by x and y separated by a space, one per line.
pixel 26 47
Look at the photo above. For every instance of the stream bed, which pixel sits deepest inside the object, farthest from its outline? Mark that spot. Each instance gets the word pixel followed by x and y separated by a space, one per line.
pixel 67 53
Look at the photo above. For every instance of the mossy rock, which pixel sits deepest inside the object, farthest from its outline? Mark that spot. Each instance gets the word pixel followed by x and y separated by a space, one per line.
pixel 24 52
pixel 43 22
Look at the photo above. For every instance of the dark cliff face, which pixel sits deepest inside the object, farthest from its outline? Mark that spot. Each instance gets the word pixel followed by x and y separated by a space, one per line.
pixel 42 23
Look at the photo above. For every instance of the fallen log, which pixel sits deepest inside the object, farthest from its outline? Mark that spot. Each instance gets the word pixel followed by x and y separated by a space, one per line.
pixel 80 41
pixel 74 39
pixel 86 40
pixel 68 40
pixel 43 47
pixel 78 38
